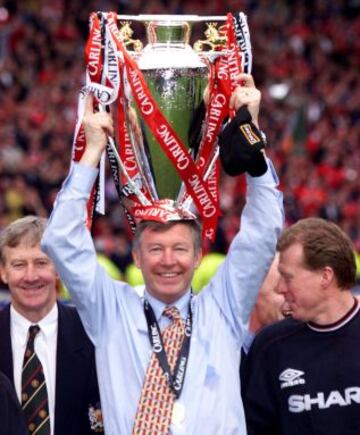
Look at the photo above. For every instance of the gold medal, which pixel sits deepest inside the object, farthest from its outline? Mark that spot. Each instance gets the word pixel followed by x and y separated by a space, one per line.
pixel 178 413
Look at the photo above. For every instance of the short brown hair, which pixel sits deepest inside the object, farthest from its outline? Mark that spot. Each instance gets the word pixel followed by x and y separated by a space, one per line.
pixel 159 227
pixel 28 229
pixel 324 244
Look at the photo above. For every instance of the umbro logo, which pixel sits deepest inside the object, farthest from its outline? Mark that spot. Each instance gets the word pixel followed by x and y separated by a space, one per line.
pixel 291 377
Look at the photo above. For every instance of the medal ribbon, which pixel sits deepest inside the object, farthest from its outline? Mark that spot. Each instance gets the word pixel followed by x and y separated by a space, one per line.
pixel 175 380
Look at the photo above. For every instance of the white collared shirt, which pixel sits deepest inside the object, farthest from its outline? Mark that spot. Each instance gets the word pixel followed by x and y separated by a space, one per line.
pixel 45 348
pixel 158 307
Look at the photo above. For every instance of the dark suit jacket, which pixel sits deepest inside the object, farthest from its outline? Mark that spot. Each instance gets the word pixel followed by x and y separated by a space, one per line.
pixel 11 418
pixel 76 381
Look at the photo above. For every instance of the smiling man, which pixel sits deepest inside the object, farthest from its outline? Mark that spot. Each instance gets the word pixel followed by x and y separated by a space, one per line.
pixel 302 374
pixel 168 361
pixel 167 255
pixel 39 335
pixel 29 274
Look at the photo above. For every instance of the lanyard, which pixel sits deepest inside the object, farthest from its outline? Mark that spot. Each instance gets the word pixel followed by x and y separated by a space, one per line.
pixel 175 380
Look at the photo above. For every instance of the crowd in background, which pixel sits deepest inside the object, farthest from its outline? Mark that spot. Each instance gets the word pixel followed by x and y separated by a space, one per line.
pixel 306 63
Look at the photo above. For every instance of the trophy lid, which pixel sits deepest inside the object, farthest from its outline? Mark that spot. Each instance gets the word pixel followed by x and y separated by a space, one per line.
pixel 171 18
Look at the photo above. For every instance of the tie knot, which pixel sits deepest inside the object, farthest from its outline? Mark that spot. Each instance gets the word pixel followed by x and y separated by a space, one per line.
pixel 172 313
pixel 33 330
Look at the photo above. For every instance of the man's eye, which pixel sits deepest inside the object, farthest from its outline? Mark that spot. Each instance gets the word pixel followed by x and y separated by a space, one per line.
pixel 18 265
pixel 42 263
pixel 181 249
pixel 155 249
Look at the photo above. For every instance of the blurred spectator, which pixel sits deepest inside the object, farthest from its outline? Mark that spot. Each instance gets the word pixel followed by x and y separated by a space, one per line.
pixel 208 266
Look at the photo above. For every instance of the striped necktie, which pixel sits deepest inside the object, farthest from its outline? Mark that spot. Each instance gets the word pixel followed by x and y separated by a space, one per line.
pixel 156 402
pixel 34 397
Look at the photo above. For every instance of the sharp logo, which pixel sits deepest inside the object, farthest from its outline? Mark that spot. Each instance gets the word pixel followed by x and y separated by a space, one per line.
pixel 249 134
pixel 291 377
pixel 302 403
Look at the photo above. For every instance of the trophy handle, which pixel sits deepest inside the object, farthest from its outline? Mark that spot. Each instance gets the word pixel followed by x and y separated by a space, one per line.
pixel 215 38
pixel 126 33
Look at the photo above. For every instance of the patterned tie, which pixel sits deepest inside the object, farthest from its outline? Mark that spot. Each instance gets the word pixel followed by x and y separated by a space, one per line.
pixel 34 393
pixel 154 411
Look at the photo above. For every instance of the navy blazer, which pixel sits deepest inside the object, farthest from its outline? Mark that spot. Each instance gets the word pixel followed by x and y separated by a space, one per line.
pixel 76 381
pixel 11 416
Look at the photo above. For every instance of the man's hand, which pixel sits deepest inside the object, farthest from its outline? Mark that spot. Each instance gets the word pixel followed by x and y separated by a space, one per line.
pixel 97 127
pixel 241 142
pixel 247 95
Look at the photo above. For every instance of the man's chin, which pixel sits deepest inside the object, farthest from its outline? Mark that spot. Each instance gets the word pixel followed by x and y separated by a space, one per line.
pixel 170 295
pixel 34 297
pixel 35 300
pixel 301 317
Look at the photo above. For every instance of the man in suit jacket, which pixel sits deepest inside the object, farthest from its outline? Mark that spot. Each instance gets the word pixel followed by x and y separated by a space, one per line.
pixel 65 351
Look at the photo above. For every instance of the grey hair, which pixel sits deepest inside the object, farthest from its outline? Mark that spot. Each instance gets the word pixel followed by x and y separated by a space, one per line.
pixel 28 229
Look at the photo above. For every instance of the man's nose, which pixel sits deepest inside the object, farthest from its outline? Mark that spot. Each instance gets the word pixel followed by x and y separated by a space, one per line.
pixel 168 257
pixel 31 273
pixel 281 287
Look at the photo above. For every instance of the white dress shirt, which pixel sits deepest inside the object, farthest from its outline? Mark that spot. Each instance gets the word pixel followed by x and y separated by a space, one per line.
pixel 45 347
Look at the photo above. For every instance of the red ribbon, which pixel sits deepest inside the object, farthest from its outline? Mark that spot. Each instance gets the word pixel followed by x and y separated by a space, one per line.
pixel 93 61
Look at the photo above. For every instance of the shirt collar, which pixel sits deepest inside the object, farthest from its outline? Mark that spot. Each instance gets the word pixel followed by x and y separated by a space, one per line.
pixel 46 324
pixel 182 304
pixel 339 323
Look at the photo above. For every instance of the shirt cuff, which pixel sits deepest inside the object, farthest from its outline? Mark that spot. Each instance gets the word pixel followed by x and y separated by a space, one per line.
pixel 269 178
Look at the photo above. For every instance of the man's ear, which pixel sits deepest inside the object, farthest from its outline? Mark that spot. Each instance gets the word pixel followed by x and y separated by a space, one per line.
pixel 136 257
pixel 198 258
pixel 327 276
pixel 3 274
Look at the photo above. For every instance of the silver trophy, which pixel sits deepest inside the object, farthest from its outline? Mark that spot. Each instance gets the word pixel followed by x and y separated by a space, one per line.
pixel 168 93
pixel 177 78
